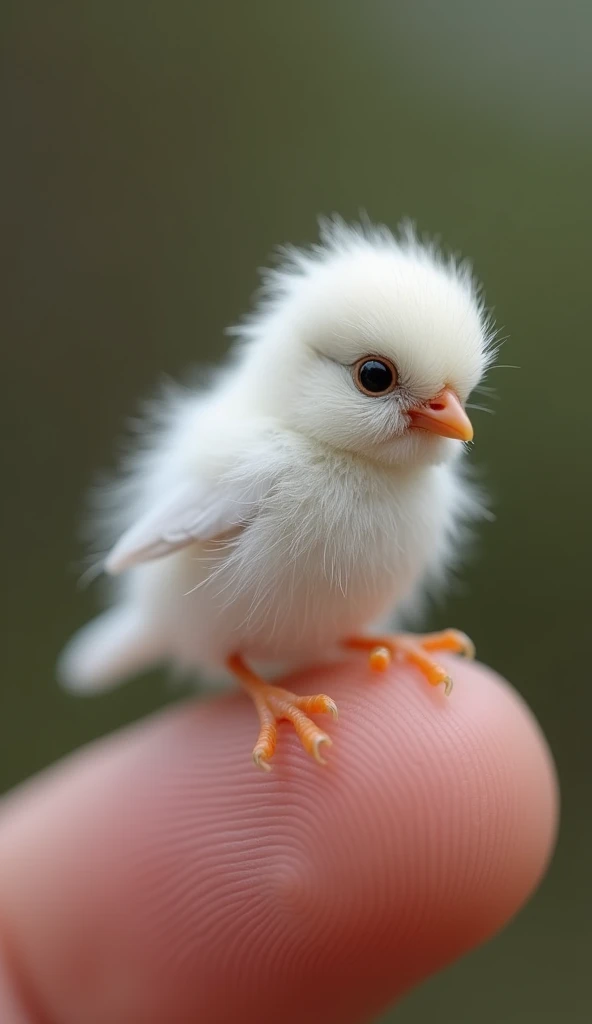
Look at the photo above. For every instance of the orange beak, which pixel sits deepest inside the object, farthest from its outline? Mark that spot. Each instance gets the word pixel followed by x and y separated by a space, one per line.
pixel 443 415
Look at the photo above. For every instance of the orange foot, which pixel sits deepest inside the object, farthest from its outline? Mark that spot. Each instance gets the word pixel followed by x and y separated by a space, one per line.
pixel 415 650
pixel 274 704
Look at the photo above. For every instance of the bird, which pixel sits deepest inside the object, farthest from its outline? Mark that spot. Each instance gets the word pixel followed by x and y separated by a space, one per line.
pixel 310 492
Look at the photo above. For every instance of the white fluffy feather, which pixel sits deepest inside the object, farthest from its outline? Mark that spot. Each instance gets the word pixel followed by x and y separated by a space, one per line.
pixel 281 510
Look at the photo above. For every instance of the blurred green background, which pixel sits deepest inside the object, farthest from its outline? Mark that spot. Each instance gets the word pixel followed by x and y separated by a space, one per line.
pixel 152 155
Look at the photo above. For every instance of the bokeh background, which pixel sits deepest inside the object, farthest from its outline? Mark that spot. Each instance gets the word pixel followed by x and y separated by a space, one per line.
pixel 152 156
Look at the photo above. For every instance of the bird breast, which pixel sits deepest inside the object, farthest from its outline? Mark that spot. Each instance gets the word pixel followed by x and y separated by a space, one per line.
pixel 335 546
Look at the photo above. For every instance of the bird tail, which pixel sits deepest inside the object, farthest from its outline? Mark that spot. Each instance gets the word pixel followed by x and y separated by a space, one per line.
pixel 117 644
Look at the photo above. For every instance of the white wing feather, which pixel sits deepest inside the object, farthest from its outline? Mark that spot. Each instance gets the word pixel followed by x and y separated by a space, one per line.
pixel 197 510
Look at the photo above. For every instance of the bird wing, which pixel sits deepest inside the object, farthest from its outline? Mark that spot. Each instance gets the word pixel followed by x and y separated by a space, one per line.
pixel 197 510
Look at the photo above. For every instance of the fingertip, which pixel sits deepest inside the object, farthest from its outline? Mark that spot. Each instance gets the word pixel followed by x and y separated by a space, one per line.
pixel 163 876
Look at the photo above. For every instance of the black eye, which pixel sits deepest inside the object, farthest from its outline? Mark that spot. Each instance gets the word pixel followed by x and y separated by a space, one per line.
pixel 374 376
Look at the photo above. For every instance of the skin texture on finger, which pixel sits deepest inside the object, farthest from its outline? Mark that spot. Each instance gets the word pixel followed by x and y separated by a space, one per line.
pixel 158 876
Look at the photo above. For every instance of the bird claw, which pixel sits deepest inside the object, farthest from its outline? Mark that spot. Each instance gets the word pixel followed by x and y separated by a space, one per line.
pixel 380 659
pixel 317 744
pixel 468 651
pixel 416 650
pixel 312 743
pixel 275 704
pixel 261 760
pixel 320 704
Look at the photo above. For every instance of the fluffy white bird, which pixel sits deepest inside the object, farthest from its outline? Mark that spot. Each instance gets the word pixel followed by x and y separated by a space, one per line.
pixel 314 489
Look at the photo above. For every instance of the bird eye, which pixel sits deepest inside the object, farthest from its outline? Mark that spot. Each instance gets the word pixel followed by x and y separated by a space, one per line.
pixel 374 376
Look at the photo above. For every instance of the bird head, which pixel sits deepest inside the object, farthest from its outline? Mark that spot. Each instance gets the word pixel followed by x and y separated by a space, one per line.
pixel 371 344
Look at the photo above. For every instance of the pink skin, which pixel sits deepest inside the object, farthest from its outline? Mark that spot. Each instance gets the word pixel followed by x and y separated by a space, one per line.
pixel 158 876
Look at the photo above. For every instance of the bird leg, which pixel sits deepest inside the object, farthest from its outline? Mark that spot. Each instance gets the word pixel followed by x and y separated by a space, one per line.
pixel 274 704
pixel 415 650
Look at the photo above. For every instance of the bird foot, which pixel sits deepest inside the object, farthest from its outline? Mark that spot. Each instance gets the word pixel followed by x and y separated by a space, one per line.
pixel 275 704
pixel 415 650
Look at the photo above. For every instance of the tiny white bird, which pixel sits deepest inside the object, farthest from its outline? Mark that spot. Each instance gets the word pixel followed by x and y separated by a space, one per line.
pixel 312 491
